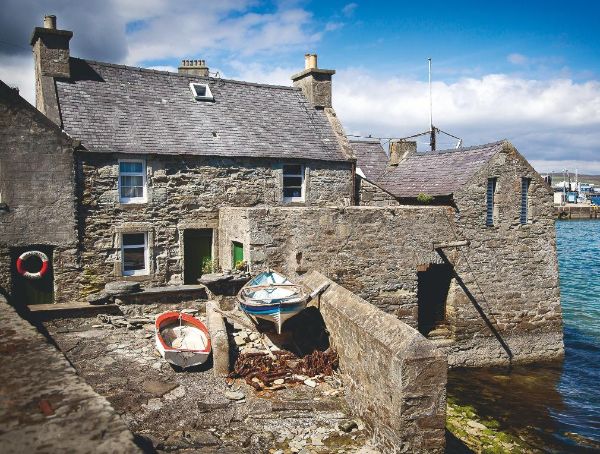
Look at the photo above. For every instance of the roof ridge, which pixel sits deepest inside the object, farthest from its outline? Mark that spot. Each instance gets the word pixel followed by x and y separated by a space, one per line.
pixel 471 148
pixel 170 73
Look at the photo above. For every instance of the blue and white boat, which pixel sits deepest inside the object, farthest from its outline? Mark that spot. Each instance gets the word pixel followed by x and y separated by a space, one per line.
pixel 272 297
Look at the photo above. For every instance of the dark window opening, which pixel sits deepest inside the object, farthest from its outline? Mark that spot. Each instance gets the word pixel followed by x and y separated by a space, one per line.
pixel 525 182
pixel 432 293
pixel 491 191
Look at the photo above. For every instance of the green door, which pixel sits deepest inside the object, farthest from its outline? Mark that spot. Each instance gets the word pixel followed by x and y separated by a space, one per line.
pixel 197 254
pixel 27 291
pixel 238 253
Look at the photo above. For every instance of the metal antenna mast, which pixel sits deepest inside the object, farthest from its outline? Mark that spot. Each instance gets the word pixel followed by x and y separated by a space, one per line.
pixel 431 127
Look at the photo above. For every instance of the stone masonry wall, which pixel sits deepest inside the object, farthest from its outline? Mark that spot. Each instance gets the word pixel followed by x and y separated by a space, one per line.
pixel 37 184
pixel 369 194
pixel 510 269
pixel 358 247
pixel 503 297
pixel 395 378
pixel 183 192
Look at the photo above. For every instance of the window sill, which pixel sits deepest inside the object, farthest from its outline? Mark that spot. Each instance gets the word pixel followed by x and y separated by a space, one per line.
pixel 136 277
pixel 132 205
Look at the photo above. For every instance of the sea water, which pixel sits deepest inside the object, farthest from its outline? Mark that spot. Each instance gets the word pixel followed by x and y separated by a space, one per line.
pixel 555 407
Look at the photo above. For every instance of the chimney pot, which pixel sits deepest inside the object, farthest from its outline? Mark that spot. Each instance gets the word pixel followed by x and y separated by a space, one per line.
pixel 310 61
pixel 193 68
pixel 50 22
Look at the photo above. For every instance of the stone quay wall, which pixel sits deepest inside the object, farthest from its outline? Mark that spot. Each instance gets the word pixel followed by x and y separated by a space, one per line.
pixel 183 192
pixel 394 377
pixel 502 305
pixel 37 183
pixel 46 406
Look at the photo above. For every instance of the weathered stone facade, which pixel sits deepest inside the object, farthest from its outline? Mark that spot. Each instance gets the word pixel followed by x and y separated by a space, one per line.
pixel 492 315
pixel 37 186
pixel 183 192
pixel 369 194
pixel 386 370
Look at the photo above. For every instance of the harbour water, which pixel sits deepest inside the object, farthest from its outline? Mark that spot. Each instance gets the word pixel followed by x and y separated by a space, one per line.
pixel 554 407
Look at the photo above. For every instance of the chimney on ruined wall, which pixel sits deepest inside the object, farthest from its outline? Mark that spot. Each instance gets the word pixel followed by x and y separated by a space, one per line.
pixel 400 150
pixel 51 60
pixel 193 68
pixel 314 82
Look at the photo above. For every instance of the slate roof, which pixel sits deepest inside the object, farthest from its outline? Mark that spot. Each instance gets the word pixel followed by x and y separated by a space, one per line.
pixel 371 158
pixel 437 173
pixel 115 108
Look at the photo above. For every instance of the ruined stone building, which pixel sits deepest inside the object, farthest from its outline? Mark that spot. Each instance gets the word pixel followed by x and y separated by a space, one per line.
pixel 158 177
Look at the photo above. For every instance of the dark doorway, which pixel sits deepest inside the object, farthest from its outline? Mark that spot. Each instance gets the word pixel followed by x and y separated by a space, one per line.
pixel 433 287
pixel 26 291
pixel 197 254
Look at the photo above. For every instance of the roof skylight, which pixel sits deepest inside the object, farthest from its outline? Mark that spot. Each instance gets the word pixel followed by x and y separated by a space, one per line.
pixel 201 92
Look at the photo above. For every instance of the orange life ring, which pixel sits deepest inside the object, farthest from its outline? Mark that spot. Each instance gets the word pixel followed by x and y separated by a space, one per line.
pixel 29 275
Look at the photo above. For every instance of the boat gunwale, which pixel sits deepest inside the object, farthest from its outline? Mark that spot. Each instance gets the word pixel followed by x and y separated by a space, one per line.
pixel 175 315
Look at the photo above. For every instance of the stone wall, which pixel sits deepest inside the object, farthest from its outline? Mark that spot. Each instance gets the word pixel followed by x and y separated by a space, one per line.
pixel 37 185
pixel 510 269
pixel 183 192
pixel 502 304
pixel 394 378
pixel 361 248
pixel 369 194
pixel 50 408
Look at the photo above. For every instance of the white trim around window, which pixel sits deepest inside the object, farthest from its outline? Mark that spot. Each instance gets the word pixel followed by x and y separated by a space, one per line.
pixel 294 183
pixel 134 254
pixel 132 181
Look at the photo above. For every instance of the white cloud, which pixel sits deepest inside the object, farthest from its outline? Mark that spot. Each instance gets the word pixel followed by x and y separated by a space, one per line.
pixel 546 120
pixel 17 71
pixel 517 59
pixel 348 10
pixel 190 29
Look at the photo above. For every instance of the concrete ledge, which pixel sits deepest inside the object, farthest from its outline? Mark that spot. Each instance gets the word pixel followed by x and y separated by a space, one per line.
pixel 395 378
pixel 167 294
pixel 218 339
pixel 45 405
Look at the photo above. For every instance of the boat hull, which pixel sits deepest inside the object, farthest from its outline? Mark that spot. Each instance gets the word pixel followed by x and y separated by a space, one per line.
pixel 272 297
pixel 182 339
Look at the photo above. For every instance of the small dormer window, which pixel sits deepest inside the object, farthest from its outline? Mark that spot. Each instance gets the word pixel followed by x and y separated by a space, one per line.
pixel 201 92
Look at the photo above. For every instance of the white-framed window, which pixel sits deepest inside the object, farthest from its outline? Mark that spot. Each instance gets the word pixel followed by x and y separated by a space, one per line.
pixel 134 254
pixel 201 92
pixel 524 217
pixel 293 183
pixel 132 181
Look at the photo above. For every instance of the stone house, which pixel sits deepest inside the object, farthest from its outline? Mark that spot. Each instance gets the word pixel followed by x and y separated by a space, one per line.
pixel 160 153
pixel 498 273
pixel 37 197
pixel 174 173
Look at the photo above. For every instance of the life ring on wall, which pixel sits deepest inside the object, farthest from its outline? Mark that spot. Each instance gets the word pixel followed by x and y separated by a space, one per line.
pixel 29 275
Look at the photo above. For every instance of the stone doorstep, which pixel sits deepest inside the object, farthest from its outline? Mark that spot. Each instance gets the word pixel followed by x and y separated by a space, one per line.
pixel 46 311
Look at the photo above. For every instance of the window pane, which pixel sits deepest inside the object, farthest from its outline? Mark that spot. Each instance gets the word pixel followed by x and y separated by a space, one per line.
pixel 137 192
pixel 132 180
pixel 292 169
pixel 133 239
pixel 200 90
pixel 292 192
pixel 126 192
pixel 133 259
pixel 292 181
pixel 136 167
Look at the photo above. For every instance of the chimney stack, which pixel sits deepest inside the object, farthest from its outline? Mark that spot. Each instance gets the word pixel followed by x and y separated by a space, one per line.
pixel 51 56
pixel 400 150
pixel 314 82
pixel 193 68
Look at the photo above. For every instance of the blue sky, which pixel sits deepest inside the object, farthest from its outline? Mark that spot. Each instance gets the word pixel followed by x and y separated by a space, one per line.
pixel 525 71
